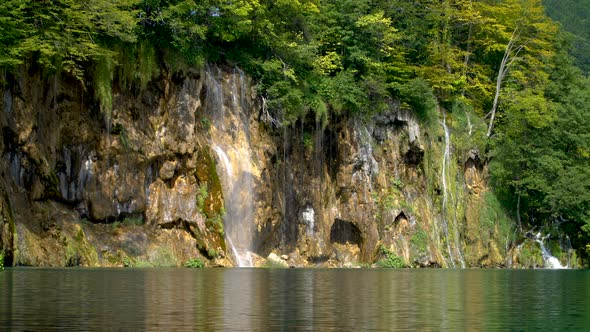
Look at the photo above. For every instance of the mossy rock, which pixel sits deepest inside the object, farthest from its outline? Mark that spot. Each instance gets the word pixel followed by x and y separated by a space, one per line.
pixel 530 255
pixel 78 251
pixel 7 229
pixel 213 205
pixel 419 241
pixel 206 172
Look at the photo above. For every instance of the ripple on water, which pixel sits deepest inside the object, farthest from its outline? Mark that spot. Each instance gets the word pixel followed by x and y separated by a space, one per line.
pixel 293 299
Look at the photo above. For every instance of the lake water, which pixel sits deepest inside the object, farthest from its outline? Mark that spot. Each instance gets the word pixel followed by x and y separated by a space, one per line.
pixel 294 299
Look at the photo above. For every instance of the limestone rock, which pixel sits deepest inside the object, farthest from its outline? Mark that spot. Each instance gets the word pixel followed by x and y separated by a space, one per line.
pixel 168 205
pixel 275 261
pixel 167 170
pixel 149 161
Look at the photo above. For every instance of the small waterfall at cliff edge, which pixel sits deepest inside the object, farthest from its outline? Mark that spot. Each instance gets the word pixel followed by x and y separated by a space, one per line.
pixel 445 176
pixel 230 141
pixel 551 262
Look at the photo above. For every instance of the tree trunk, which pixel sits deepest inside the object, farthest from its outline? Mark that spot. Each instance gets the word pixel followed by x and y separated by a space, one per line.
pixel 518 212
pixel 507 61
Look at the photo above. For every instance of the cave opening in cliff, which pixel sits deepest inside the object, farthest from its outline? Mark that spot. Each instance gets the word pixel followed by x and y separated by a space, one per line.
pixel 345 232
pixel 400 217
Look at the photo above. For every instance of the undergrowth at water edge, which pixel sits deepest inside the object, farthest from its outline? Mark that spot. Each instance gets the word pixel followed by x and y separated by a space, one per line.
pixel 194 263
pixel 390 259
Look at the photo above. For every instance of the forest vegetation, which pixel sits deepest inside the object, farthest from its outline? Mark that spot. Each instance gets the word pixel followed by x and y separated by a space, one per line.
pixel 505 66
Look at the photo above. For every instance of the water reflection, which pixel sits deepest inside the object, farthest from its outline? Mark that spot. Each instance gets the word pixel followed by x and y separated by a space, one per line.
pixel 270 300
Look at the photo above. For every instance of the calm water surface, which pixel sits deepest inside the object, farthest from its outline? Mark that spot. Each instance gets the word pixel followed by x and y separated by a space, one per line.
pixel 296 299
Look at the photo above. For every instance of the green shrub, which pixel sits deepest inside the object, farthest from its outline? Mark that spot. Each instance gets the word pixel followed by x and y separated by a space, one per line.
pixel 397 183
pixel 420 240
pixel 390 260
pixel 127 262
pixel 1 260
pixel 206 123
pixel 494 220
pixel 202 196
pixel 133 221
pixel 194 263
pixel 530 255
pixel 418 95
pixel 212 253
pixel 216 224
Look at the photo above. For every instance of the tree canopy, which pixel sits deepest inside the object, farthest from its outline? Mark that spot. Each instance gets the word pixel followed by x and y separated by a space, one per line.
pixel 574 17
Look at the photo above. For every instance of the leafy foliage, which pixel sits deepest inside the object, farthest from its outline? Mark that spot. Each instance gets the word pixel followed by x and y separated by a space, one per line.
pixel 541 159
pixel 573 16
pixel 390 260
pixel 194 263
pixel 202 195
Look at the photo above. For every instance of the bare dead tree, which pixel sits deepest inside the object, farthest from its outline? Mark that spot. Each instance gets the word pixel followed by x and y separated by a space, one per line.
pixel 513 48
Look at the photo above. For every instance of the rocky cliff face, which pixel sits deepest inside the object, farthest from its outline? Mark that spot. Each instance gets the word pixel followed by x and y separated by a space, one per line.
pixel 189 168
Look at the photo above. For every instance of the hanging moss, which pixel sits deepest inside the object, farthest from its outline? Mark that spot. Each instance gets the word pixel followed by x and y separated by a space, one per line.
pixel 51 184
pixel 137 65
pixel 103 85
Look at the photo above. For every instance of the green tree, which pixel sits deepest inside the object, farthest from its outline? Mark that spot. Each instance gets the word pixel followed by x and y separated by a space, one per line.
pixel 63 34
pixel 519 31
pixel 541 159
pixel 14 31
pixel 573 15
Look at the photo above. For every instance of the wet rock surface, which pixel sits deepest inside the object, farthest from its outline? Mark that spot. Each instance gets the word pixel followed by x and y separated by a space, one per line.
pixel 175 171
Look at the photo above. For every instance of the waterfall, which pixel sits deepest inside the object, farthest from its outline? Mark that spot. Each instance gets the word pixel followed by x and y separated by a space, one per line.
pixel 225 161
pixel 230 141
pixel 445 175
pixel 551 262
pixel 235 252
pixel 308 216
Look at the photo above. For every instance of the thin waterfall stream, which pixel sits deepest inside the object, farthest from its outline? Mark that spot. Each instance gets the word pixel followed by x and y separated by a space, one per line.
pixel 231 143
pixel 443 175
pixel 448 197
pixel 453 198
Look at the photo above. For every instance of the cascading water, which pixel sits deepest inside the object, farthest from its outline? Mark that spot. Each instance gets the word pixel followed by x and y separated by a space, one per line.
pixel 231 143
pixel 445 175
pixel 551 262
pixel 308 216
